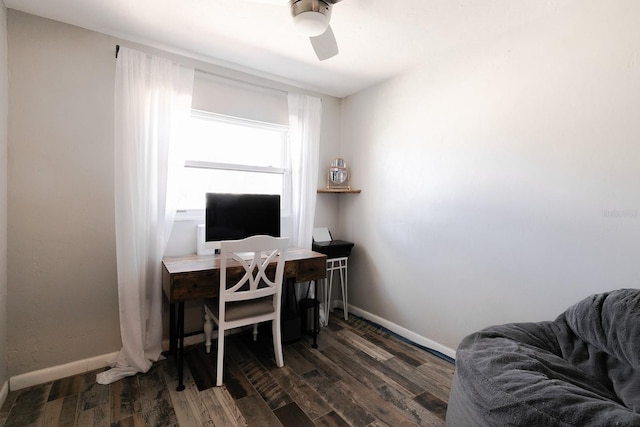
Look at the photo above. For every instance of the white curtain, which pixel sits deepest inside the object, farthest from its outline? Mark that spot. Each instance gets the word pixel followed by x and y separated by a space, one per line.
pixel 152 103
pixel 305 118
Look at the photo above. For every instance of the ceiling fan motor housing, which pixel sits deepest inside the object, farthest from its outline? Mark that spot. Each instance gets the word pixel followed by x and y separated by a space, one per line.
pixel 311 17
pixel 320 6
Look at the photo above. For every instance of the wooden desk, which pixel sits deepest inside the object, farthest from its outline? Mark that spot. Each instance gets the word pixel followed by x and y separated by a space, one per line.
pixel 197 277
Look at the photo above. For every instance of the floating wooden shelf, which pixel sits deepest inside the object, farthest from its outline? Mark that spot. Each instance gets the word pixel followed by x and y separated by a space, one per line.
pixel 338 190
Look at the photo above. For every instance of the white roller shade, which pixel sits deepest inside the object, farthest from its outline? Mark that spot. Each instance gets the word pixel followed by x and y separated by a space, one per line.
pixel 234 98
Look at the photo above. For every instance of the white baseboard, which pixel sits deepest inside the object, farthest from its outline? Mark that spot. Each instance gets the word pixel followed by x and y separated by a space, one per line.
pixel 4 391
pixel 401 331
pixel 53 373
pixel 57 372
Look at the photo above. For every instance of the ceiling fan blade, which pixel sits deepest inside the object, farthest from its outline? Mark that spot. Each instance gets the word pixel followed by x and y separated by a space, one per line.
pixel 325 45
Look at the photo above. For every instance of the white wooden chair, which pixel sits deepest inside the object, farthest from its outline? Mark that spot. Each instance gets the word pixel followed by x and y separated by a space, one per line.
pixel 251 296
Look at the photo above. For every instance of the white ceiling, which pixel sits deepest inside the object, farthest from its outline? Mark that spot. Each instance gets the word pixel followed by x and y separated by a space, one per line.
pixel 377 38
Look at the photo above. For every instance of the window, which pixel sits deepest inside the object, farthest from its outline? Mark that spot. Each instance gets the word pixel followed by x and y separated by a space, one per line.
pixel 233 155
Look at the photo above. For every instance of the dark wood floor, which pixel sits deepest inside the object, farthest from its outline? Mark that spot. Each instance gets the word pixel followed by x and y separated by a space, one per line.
pixel 360 375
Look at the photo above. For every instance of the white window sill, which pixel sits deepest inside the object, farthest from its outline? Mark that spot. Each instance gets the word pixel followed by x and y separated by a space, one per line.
pixel 199 215
pixel 190 215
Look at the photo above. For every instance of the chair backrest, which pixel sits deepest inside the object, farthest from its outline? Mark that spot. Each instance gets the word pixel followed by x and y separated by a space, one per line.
pixel 252 268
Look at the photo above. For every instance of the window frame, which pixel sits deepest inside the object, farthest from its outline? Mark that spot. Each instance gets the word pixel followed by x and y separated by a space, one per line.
pixel 198 214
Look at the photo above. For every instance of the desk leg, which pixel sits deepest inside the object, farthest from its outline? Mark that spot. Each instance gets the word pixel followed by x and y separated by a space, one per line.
pixel 316 315
pixel 180 354
pixel 172 330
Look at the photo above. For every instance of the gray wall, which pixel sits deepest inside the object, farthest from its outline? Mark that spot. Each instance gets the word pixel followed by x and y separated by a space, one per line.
pixel 3 196
pixel 62 282
pixel 62 273
pixel 499 183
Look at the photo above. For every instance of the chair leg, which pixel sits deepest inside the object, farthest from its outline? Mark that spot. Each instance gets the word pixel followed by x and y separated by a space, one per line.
pixel 325 300
pixel 277 342
pixel 330 281
pixel 343 282
pixel 325 297
pixel 255 332
pixel 220 357
pixel 208 330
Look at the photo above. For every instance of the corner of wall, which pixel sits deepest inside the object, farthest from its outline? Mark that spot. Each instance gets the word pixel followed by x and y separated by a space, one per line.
pixel 4 89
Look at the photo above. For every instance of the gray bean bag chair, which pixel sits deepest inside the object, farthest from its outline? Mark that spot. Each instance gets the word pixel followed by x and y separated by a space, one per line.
pixel 582 369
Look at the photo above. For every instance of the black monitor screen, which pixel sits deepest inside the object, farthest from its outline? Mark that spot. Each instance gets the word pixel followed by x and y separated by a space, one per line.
pixel 236 216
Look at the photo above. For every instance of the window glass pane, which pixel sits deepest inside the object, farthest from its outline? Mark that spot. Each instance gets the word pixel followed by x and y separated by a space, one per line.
pixel 201 181
pixel 237 143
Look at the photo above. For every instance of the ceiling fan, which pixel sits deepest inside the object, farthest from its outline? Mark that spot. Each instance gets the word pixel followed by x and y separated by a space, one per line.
pixel 311 18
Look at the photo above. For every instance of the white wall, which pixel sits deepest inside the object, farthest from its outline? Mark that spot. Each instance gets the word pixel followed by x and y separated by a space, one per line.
pixel 3 201
pixel 500 183
pixel 61 264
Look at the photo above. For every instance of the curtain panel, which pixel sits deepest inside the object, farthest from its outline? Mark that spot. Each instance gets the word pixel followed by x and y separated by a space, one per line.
pixel 152 104
pixel 305 118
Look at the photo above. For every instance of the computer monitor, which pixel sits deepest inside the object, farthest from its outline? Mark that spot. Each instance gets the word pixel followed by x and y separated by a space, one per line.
pixel 236 216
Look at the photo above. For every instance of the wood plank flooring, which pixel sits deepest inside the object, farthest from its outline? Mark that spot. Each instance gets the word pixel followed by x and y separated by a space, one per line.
pixel 360 375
